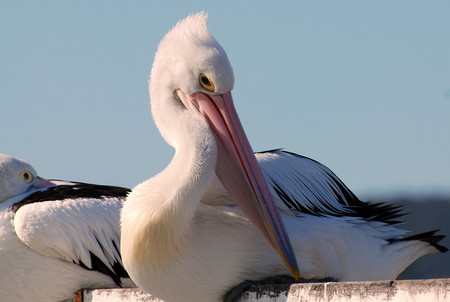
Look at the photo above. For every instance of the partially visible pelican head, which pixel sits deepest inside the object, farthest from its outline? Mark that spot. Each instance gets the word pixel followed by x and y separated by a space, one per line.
pixel 190 91
pixel 18 177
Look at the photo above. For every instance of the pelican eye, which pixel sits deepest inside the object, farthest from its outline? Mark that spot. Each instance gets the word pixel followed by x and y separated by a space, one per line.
pixel 206 82
pixel 26 176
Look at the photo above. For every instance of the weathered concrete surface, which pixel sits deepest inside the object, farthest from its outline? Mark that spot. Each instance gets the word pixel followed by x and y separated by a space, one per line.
pixel 117 295
pixel 433 290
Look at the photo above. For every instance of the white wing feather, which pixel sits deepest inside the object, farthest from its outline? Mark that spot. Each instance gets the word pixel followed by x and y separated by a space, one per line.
pixel 70 229
pixel 304 183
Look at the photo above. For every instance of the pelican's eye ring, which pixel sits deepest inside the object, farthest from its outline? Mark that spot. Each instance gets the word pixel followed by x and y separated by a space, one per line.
pixel 26 176
pixel 206 82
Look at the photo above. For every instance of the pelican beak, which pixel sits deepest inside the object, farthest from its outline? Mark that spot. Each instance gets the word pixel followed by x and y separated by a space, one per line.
pixel 241 175
pixel 40 183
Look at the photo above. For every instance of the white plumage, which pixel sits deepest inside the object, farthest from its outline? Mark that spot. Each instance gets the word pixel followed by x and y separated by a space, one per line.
pixel 183 237
pixel 56 236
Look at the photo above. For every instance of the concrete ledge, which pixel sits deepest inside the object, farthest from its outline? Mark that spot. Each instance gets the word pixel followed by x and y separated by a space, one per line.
pixel 436 290
pixel 117 295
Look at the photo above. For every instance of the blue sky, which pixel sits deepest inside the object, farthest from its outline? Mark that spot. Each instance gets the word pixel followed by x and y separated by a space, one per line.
pixel 363 87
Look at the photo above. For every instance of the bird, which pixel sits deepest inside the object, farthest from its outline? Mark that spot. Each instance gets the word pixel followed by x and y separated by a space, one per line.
pixel 57 237
pixel 208 221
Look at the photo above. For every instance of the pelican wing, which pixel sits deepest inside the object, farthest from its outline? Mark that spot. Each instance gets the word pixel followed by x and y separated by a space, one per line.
pixel 75 222
pixel 303 185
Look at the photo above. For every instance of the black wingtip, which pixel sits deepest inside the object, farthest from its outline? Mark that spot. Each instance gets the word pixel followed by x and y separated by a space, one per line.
pixel 428 237
pixel 116 274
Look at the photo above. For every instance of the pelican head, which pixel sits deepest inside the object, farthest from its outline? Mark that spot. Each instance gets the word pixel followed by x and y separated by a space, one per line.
pixel 188 60
pixel 18 177
pixel 190 91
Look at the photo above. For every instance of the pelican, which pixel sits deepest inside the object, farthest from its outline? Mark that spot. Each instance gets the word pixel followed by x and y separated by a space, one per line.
pixel 208 221
pixel 56 237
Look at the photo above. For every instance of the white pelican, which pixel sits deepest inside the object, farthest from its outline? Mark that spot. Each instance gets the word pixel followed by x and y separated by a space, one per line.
pixel 56 237
pixel 184 239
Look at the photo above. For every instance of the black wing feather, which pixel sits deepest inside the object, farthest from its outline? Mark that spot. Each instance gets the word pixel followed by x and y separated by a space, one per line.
pixel 74 190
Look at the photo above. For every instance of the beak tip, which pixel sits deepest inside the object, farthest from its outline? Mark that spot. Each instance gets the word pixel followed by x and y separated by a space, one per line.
pixel 293 268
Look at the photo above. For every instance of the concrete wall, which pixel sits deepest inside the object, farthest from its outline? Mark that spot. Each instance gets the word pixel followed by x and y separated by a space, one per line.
pixel 432 290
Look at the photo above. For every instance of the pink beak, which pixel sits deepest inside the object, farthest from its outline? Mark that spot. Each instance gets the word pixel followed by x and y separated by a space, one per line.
pixel 241 175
